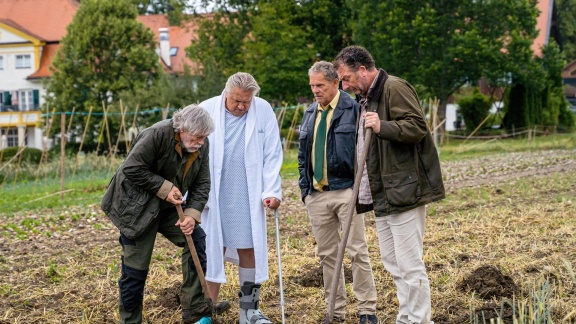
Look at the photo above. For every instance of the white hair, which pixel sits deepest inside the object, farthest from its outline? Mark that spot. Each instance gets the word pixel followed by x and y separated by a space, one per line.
pixel 193 119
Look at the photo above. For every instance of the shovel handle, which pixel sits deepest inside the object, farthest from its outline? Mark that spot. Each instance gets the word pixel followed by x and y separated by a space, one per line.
pixel 194 255
pixel 346 228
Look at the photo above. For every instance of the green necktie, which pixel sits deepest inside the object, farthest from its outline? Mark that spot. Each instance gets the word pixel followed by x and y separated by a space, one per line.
pixel 319 146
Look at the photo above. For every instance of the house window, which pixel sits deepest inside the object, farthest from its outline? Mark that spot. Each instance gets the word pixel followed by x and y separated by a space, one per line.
pixel 173 51
pixel 23 61
pixel 1 62
pixel 11 136
pixel 25 100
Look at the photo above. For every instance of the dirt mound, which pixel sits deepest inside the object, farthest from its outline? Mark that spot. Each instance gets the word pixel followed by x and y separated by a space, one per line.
pixel 169 297
pixel 311 276
pixel 487 281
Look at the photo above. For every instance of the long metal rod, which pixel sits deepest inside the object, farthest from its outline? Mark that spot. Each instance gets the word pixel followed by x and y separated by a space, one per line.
pixel 197 264
pixel 279 264
pixel 346 229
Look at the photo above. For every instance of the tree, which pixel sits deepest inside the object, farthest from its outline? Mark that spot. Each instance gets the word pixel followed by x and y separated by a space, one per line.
pixel 275 40
pixel 441 45
pixel 536 97
pixel 277 52
pixel 567 24
pixel 172 8
pixel 218 49
pixel 105 51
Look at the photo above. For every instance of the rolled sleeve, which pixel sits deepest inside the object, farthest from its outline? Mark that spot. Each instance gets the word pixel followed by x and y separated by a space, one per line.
pixel 191 212
pixel 164 189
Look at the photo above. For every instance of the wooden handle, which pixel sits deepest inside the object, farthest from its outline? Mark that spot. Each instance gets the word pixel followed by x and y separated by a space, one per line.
pixel 346 229
pixel 197 264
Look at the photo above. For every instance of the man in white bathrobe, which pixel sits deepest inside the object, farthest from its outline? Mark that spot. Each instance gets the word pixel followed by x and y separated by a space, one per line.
pixel 245 162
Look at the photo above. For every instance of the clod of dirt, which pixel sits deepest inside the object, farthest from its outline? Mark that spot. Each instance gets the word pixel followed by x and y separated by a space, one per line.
pixel 169 297
pixel 312 276
pixel 487 281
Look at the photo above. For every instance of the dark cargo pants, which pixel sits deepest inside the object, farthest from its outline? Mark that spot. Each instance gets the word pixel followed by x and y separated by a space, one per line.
pixel 136 256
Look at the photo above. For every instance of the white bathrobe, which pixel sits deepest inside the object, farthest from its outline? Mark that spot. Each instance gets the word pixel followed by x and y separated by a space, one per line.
pixel 263 160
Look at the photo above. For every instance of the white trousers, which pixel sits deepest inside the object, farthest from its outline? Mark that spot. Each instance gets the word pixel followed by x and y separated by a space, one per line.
pixel 400 239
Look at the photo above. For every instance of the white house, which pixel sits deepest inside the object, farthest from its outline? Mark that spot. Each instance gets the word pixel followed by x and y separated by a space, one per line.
pixel 30 34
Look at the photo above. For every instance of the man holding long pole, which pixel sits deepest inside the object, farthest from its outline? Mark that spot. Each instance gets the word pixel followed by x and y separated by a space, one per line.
pixel 402 174
pixel 326 166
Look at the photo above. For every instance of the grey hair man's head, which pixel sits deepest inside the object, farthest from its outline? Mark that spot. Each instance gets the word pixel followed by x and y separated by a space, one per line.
pixel 193 119
pixel 243 81
pixel 326 68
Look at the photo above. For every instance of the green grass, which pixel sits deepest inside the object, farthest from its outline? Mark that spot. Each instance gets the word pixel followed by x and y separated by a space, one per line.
pixel 459 149
pixel 90 182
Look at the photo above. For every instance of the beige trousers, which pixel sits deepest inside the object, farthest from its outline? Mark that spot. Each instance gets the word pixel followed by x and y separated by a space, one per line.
pixel 328 212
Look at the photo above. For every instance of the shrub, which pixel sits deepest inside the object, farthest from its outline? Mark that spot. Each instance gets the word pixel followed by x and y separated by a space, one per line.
pixel 474 109
pixel 30 155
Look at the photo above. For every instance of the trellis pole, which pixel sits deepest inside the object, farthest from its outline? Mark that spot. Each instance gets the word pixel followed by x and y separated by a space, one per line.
pixel 62 152
pixel 82 142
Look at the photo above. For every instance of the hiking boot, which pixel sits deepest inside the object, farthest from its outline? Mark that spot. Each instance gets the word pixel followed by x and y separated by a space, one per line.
pixel 221 307
pixel 194 315
pixel 368 319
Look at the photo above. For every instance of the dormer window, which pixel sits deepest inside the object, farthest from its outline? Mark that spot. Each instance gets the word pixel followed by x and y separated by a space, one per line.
pixel 173 51
pixel 23 61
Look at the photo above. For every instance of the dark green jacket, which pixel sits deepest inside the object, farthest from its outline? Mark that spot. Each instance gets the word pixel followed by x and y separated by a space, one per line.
pixel 136 193
pixel 402 164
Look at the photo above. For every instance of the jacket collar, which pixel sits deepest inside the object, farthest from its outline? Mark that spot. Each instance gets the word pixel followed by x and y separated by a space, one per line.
pixel 345 102
pixel 376 91
pixel 178 145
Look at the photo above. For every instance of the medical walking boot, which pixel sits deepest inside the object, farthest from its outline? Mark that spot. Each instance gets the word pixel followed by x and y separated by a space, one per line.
pixel 249 299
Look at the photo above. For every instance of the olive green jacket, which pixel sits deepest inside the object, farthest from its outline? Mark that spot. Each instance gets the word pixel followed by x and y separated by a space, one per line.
pixel 136 193
pixel 402 164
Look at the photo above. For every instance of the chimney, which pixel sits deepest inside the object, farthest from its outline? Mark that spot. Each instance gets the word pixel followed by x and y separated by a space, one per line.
pixel 165 46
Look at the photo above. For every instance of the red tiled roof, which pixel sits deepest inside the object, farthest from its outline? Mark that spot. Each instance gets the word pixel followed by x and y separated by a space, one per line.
pixel 180 37
pixel 48 54
pixel 46 19
pixel 569 71
pixel 14 25
pixel 542 25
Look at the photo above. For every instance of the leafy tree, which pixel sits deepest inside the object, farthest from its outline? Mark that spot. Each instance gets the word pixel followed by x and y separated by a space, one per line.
pixel 567 24
pixel 105 51
pixel 172 91
pixel 277 52
pixel 275 40
pixel 218 49
pixel 536 97
pixel 172 8
pixel 441 45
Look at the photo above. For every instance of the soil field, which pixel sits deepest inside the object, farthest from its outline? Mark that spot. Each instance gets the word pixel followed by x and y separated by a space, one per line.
pixel 502 242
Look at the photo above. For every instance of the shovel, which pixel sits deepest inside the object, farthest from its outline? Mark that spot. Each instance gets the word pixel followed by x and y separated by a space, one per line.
pixel 346 229
pixel 197 265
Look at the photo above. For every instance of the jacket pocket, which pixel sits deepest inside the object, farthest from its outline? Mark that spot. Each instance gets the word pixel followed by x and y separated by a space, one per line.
pixel 402 188
pixel 132 203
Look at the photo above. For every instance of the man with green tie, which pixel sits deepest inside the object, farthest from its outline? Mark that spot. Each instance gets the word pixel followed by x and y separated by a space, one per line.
pixel 326 166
